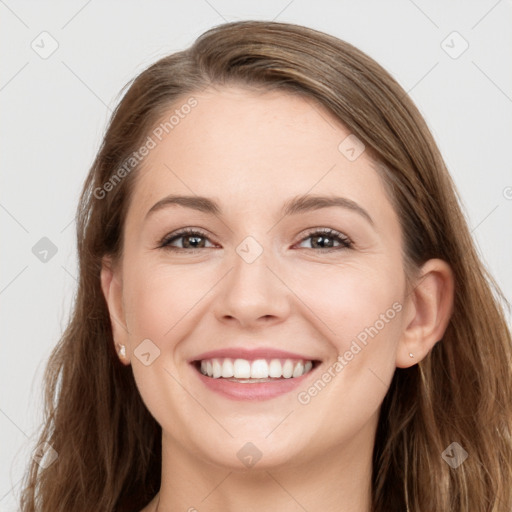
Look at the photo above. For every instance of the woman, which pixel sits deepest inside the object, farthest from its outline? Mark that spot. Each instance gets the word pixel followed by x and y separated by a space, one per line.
pixel 280 306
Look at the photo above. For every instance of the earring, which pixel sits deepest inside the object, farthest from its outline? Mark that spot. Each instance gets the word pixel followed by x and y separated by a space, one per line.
pixel 121 350
pixel 411 354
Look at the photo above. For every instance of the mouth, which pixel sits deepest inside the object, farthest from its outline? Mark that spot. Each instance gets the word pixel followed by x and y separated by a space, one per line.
pixel 255 371
pixel 253 378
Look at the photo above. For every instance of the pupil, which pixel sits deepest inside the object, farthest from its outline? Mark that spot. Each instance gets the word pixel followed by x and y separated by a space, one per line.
pixel 194 243
pixel 323 240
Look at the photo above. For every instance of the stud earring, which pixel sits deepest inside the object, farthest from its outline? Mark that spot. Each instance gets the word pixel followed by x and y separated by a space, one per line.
pixel 411 354
pixel 121 350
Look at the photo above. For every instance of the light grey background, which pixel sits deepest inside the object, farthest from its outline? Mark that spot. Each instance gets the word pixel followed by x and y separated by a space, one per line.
pixel 54 111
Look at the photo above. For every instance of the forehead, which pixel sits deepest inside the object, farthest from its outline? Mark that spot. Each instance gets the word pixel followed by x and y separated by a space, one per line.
pixel 255 149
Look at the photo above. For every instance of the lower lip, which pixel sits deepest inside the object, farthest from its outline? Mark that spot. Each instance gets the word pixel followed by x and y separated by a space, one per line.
pixel 250 391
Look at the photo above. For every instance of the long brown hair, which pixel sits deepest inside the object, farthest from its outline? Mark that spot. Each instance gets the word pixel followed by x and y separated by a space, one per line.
pixel 109 445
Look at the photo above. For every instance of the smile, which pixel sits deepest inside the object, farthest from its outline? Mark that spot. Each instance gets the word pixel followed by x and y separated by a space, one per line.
pixel 260 374
pixel 258 370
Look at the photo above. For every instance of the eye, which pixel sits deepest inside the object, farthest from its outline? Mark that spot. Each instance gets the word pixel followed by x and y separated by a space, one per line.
pixel 328 240
pixel 191 239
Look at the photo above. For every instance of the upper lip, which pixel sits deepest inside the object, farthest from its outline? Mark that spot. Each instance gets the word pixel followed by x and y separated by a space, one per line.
pixel 250 354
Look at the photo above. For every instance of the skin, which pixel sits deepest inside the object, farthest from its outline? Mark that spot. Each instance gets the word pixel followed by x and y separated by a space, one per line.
pixel 251 152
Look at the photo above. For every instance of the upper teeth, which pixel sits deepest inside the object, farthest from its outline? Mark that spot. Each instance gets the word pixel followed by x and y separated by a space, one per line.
pixel 257 369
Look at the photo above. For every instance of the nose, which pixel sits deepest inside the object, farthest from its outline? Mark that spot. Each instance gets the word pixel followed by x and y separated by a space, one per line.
pixel 253 294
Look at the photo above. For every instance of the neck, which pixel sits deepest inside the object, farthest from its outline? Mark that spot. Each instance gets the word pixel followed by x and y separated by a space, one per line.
pixel 339 479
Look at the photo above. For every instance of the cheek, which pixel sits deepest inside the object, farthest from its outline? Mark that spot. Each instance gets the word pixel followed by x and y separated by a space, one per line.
pixel 160 301
pixel 359 313
pixel 361 309
pixel 159 297
pixel 350 299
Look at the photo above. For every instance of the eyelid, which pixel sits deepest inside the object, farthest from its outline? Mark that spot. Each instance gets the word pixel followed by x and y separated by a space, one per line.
pixel 175 235
pixel 346 240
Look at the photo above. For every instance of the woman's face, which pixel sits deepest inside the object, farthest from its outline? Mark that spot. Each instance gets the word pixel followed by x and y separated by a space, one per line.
pixel 260 279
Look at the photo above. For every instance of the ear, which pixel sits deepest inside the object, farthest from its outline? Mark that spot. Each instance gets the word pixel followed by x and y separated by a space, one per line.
pixel 111 284
pixel 428 311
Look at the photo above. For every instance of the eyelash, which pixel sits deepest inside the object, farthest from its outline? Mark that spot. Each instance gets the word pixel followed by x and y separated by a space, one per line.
pixel 345 242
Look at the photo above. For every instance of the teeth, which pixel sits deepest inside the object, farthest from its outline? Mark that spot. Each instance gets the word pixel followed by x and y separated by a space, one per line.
pixel 287 369
pixel 241 369
pixel 257 369
pixel 275 369
pixel 217 369
pixel 298 370
pixel 227 368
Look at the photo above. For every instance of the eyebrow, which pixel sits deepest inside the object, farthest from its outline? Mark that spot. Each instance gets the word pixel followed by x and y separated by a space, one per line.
pixel 299 204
